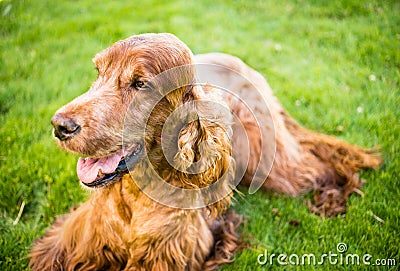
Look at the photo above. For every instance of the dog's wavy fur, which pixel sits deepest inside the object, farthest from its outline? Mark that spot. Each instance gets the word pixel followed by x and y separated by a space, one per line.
pixel 121 228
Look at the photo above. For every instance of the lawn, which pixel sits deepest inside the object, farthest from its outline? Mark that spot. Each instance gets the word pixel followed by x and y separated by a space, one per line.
pixel 335 66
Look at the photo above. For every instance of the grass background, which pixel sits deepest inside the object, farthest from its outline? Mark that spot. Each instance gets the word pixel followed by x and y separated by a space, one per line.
pixel 333 64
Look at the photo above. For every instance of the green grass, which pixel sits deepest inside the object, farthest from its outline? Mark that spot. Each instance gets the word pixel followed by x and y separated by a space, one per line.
pixel 335 65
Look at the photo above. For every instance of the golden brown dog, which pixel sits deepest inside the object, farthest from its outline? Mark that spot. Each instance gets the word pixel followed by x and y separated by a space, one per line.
pixel 132 221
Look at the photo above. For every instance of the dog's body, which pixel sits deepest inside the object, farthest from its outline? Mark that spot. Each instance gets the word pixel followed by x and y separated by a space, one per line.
pixel 120 227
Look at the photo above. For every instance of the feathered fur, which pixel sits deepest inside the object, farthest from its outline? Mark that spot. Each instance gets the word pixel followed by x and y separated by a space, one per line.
pixel 122 228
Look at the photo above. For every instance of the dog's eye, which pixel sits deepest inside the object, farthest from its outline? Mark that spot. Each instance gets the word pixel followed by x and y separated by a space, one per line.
pixel 137 84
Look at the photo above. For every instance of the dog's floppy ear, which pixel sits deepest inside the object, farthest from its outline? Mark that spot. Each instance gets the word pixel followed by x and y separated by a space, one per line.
pixel 205 137
pixel 204 143
pixel 178 85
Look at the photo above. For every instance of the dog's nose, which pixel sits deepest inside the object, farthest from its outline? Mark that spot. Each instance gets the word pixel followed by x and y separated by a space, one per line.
pixel 64 127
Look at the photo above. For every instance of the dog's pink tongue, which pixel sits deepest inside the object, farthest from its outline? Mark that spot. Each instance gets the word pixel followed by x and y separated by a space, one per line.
pixel 88 168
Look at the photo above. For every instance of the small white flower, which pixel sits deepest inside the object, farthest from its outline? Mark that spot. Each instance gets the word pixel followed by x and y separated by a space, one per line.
pixel 372 77
pixel 340 128
pixel 297 102
pixel 278 47
pixel 359 109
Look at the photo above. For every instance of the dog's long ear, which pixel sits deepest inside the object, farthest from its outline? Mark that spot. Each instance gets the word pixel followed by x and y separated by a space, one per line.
pixel 204 143
pixel 177 84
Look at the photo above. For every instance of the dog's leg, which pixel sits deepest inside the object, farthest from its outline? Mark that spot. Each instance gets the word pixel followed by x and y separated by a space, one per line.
pixel 334 165
pixel 48 253
pixel 182 244
pixel 80 240
pixel 226 240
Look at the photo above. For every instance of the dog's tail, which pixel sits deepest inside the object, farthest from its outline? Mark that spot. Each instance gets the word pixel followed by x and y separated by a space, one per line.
pixel 342 162
pixel 226 240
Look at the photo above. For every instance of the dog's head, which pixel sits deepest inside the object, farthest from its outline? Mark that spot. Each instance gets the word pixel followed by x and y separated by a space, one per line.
pixel 143 83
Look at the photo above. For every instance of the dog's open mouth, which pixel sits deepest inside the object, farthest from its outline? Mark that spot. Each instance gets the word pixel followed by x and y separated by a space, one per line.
pixel 99 172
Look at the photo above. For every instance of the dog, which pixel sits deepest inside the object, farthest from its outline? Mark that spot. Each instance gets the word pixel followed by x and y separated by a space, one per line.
pixel 152 207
